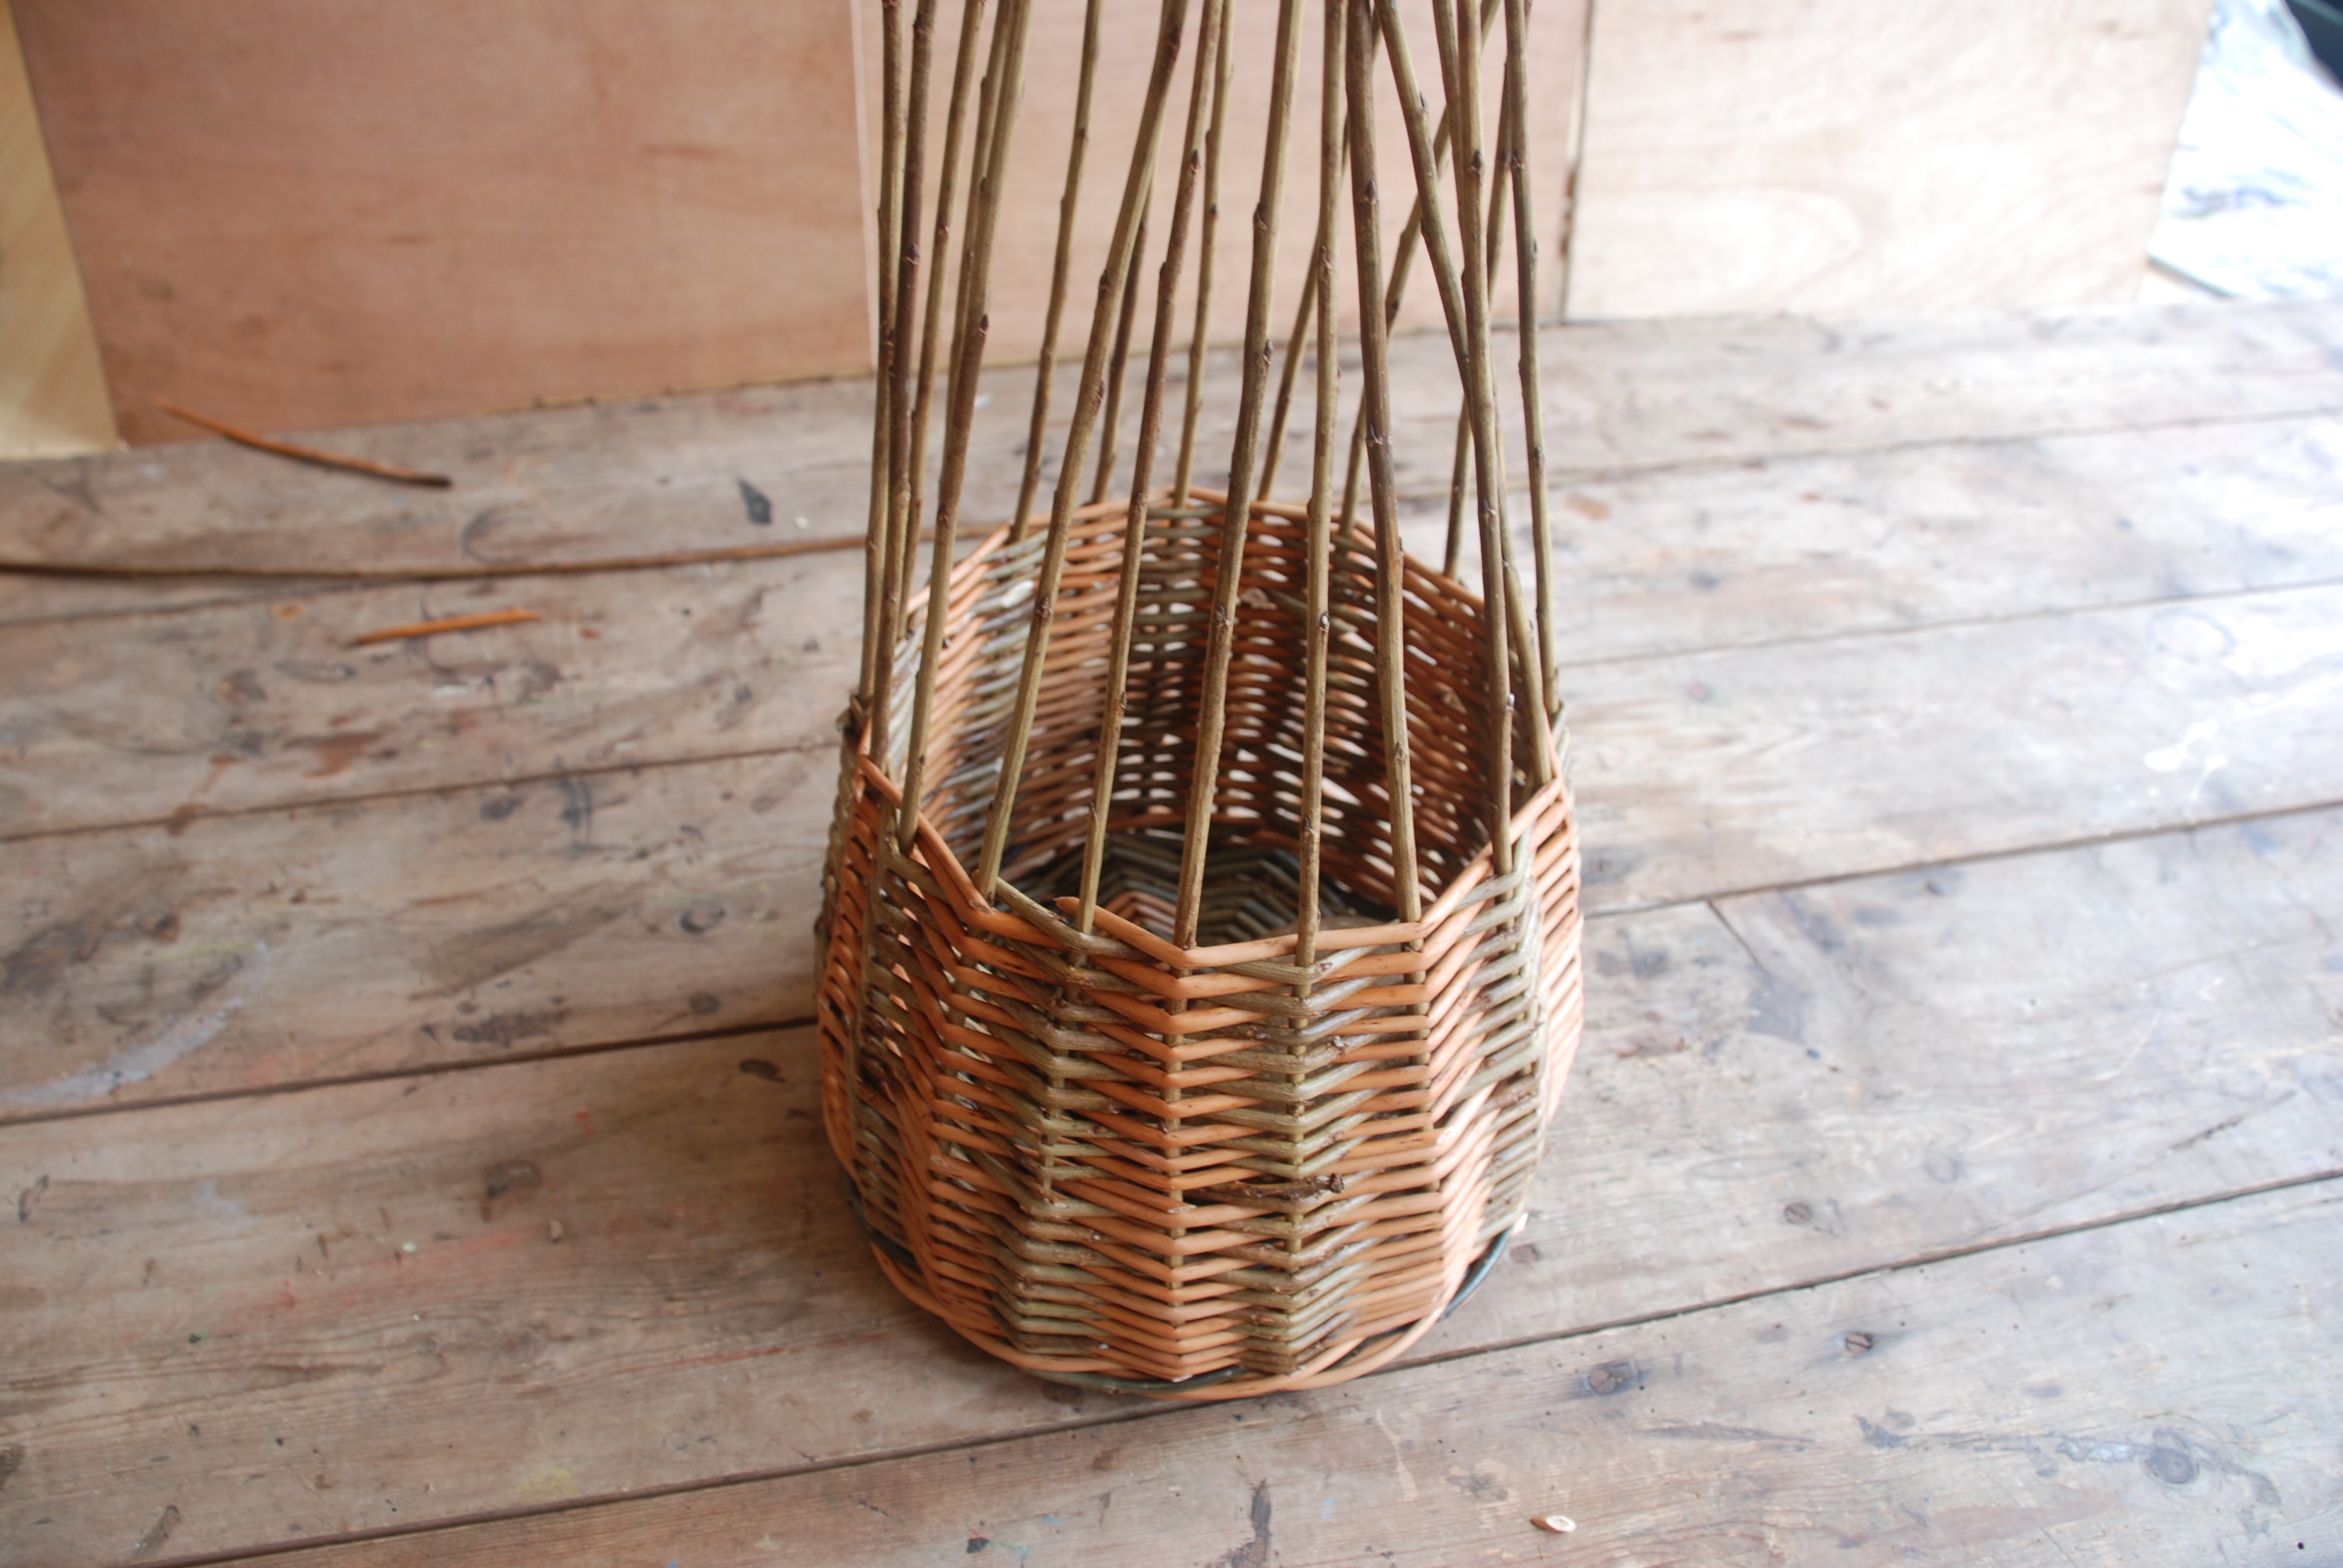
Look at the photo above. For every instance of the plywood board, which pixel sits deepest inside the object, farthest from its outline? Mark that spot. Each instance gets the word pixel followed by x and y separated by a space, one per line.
pixel 1837 155
pixel 1803 1089
pixel 299 214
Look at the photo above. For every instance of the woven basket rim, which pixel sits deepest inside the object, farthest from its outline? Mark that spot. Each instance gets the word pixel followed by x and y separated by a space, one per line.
pixel 1030 919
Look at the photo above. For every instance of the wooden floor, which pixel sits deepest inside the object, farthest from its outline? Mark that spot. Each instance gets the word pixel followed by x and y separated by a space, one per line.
pixel 412 1125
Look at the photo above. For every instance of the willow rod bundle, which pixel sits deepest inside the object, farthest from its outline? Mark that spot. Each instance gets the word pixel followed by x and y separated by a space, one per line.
pixel 1202 903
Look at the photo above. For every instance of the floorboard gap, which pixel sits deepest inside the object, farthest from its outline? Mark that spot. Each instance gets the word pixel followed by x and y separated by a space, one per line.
pixel 1963 623
pixel 1981 858
pixel 1598 472
pixel 1616 913
pixel 429 1069
pixel 176 824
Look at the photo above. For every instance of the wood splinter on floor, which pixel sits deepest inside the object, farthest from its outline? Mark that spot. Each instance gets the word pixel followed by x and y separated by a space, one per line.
pixel 453 623
pixel 301 454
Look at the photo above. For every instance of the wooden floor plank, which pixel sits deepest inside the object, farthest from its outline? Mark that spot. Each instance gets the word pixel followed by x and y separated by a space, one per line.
pixel 1885 1067
pixel 136 957
pixel 1740 769
pixel 1693 558
pixel 252 704
pixel 248 706
pixel 667 473
pixel 1807 1086
pixel 1647 394
pixel 1968 1412
pixel 249 952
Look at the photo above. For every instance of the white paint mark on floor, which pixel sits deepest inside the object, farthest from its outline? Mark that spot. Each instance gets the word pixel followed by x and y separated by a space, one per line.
pixel 178 1037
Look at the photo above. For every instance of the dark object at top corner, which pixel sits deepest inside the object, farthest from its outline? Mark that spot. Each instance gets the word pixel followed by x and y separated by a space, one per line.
pixel 2322 24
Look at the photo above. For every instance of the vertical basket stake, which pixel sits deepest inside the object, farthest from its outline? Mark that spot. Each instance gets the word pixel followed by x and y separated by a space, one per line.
pixel 874 542
pixel 1525 257
pixel 890 171
pixel 1001 88
pixel 971 26
pixel 1498 711
pixel 1119 361
pixel 1077 146
pixel 975 269
pixel 1212 719
pixel 1404 257
pixel 1451 551
pixel 1538 682
pixel 1304 313
pixel 1209 34
pixel 1317 617
pixel 1462 68
pixel 1492 249
pixel 998 817
pixel 1501 586
pixel 1288 374
pixel 1193 404
pixel 1374 429
pixel 901 527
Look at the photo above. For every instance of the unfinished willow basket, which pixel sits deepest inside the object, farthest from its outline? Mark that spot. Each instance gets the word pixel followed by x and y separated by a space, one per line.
pixel 1202 907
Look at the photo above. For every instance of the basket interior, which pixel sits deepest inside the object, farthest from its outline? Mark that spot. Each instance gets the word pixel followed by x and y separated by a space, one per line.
pixel 1250 888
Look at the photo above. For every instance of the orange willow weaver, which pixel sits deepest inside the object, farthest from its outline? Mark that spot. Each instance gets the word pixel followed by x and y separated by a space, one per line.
pixel 1203 962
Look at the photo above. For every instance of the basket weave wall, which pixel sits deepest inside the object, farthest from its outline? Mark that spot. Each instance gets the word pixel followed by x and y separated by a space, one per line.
pixel 1200 1119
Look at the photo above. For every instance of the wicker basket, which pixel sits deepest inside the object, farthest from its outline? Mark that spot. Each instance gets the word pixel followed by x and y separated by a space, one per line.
pixel 1198 1034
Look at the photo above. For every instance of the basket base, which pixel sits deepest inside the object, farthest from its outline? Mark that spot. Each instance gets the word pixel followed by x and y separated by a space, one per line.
pixel 902 1269
pixel 1251 890
pixel 1340 1370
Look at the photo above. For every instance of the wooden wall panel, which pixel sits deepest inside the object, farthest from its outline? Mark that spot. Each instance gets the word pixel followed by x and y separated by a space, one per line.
pixel 52 392
pixel 318 212
pixel 1020 278
pixel 1822 155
